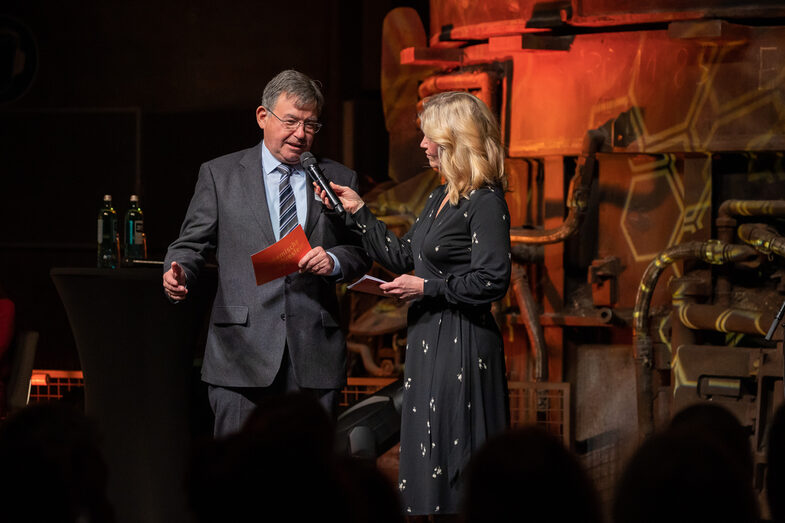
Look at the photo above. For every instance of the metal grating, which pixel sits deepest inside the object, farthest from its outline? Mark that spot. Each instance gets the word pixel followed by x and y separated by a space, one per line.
pixel 48 385
pixel 601 456
pixel 603 467
pixel 544 404
pixel 357 389
pixel 541 403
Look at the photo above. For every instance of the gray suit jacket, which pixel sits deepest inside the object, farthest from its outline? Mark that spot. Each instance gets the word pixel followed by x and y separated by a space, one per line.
pixel 250 324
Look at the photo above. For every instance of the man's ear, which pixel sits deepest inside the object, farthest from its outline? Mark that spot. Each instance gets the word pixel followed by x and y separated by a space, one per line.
pixel 261 116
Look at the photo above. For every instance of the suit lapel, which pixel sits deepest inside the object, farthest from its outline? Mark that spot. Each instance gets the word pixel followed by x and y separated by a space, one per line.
pixel 256 194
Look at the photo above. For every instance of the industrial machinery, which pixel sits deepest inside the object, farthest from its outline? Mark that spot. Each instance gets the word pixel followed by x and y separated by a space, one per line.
pixel 645 154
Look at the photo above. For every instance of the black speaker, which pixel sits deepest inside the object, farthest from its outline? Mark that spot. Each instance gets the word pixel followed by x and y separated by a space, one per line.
pixel 371 427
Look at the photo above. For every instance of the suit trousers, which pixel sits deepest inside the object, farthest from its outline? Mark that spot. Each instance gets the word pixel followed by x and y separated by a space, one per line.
pixel 232 406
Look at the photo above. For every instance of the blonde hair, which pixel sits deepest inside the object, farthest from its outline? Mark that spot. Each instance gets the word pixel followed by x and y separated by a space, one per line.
pixel 470 150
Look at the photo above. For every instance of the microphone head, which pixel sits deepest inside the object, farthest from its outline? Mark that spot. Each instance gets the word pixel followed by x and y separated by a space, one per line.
pixel 307 159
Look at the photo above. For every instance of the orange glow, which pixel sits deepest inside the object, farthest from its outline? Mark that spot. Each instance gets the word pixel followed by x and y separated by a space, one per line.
pixel 40 380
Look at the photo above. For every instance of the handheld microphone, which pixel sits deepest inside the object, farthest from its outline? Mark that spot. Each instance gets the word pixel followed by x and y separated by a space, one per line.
pixel 776 322
pixel 308 161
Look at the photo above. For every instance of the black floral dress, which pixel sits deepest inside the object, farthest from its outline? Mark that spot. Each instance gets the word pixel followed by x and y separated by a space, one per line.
pixel 455 390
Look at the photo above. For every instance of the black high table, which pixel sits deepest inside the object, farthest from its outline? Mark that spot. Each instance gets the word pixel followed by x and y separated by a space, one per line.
pixel 137 350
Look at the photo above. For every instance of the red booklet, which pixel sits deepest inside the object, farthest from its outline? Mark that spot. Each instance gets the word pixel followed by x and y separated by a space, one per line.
pixel 367 284
pixel 280 258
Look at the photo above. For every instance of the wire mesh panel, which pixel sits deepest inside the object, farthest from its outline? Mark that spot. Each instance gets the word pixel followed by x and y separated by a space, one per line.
pixel 544 404
pixel 357 389
pixel 601 457
pixel 48 385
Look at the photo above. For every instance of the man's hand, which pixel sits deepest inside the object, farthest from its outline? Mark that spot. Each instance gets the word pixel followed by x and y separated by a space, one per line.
pixel 404 287
pixel 317 261
pixel 174 283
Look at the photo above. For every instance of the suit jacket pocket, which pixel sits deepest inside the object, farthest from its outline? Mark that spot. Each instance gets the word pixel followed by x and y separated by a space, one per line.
pixel 328 321
pixel 230 315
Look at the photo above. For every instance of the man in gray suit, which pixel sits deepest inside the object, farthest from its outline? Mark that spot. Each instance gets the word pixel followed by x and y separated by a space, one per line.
pixel 284 335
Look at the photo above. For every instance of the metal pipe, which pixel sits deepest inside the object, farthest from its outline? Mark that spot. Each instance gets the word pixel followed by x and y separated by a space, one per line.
pixel 683 290
pixel 730 208
pixel 481 81
pixel 577 197
pixel 524 254
pixel 722 319
pixel 530 318
pixel 600 317
pixel 367 358
pixel 710 251
pixel 763 238
pixel 726 224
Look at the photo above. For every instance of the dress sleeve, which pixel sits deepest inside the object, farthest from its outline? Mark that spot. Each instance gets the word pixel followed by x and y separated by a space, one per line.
pixel 351 256
pixel 393 253
pixel 489 274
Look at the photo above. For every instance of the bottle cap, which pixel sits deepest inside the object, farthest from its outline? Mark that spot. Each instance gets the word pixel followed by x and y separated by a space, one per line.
pixel 107 197
pixel 134 198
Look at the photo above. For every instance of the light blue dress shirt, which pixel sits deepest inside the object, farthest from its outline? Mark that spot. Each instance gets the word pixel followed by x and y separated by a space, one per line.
pixel 298 181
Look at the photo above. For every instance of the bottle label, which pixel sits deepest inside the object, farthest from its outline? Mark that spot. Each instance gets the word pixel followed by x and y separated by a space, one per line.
pixel 100 230
pixel 139 232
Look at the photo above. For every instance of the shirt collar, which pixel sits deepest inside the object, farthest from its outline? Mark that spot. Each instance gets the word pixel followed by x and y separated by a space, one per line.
pixel 270 163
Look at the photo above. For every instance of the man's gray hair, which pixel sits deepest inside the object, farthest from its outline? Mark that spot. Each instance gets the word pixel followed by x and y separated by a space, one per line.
pixel 306 92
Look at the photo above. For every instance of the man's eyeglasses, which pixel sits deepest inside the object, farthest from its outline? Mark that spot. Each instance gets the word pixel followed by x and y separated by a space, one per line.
pixel 291 124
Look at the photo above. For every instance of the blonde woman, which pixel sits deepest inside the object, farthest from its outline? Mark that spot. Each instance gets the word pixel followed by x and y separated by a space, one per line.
pixel 459 249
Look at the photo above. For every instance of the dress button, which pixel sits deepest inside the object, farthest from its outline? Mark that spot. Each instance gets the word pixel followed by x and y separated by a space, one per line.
pixel 283 316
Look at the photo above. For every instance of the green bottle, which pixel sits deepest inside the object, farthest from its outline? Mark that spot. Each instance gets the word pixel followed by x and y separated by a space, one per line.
pixel 135 241
pixel 108 237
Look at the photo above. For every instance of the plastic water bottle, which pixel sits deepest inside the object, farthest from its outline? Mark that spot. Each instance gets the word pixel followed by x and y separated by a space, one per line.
pixel 108 237
pixel 134 239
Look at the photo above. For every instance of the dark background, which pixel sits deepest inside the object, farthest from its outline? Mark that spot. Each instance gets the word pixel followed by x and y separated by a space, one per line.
pixel 132 96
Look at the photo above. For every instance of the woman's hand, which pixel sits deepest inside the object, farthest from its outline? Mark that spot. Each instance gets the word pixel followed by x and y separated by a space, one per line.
pixel 350 200
pixel 404 287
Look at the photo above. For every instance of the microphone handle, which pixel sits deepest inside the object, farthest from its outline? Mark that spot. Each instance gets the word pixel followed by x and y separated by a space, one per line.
pixel 325 185
pixel 776 322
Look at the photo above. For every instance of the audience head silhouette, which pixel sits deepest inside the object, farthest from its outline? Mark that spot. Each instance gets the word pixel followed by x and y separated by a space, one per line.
pixel 527 475
pixel 282 466
pixel 372 497
pixel 689 472
pixel 52 467
pixel 715 422
pixel 775 475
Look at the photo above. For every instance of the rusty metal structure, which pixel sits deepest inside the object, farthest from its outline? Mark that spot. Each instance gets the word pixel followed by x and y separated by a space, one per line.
pixel 645 153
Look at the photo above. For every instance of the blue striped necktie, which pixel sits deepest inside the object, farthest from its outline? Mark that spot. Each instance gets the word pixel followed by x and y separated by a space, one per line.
pixel 288 216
